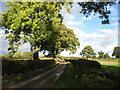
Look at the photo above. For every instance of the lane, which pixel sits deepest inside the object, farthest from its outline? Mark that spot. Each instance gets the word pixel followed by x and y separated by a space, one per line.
pixel 44 80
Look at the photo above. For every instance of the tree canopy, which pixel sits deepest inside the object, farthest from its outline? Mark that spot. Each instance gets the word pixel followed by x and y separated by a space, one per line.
pixel 116 52
pixel 97 7
pixel 88 52
pixel 64 39
pixel 106 55
pixel 31 21
pixel 100 54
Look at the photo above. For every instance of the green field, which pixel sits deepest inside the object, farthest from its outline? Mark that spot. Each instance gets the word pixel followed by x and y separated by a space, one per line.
pixel 112 62
pixel 89 77
pixel 112 65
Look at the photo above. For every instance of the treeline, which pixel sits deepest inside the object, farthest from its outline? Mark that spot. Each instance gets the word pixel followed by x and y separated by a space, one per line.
pixel 88 52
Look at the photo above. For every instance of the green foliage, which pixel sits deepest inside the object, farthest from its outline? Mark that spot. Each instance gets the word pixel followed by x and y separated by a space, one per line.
pixel 98 7
pixel 31 22
pixel 13 67
pixel 101 54
pixel 116 52
pixel 88 52
pixel 106 55
pixel 63 39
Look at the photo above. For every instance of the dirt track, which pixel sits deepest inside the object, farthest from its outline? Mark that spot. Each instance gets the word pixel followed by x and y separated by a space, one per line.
pixel 44 80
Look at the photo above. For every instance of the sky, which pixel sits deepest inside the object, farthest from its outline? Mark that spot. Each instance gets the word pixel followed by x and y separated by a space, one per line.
pixel 89 31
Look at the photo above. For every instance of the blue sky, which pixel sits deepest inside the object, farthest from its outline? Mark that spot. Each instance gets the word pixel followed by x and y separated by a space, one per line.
pixel 89 31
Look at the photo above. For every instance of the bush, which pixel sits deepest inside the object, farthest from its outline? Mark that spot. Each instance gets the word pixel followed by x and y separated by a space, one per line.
pixel 10 67
pixel 89 63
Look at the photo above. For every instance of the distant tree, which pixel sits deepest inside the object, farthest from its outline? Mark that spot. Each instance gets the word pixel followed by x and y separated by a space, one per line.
pixel 88 52
pixel 101 54
pixel 106 55
pixel 116 52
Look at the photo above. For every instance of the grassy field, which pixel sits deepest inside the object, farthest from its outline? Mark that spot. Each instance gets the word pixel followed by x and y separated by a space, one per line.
pixel 112 62
pixel 82 74
pixel 112 66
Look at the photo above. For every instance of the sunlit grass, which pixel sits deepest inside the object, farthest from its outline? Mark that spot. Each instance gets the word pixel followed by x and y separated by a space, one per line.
pixel 111 62
pixel 45 58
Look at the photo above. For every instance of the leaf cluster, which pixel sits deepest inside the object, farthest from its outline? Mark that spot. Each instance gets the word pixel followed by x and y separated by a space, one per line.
pixel 63 39
pixel 100 8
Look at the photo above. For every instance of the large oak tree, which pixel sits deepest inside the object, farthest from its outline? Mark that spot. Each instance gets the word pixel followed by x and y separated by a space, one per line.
pixel 32 22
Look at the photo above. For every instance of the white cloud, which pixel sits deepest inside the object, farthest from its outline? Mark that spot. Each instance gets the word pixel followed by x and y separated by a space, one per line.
pixel 86 18
pixel 85 36
pixel 3 43
pixel 108 31
pixel 100 42
pixel 115 24
pixel 25 47
pixel 69 20
pixel 73 23
pixel 114 18
pixel 111 36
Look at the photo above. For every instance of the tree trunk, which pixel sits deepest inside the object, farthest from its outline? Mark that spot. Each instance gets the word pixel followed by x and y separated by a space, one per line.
pixel 54 56
pixel 54 52
pixel 36 55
